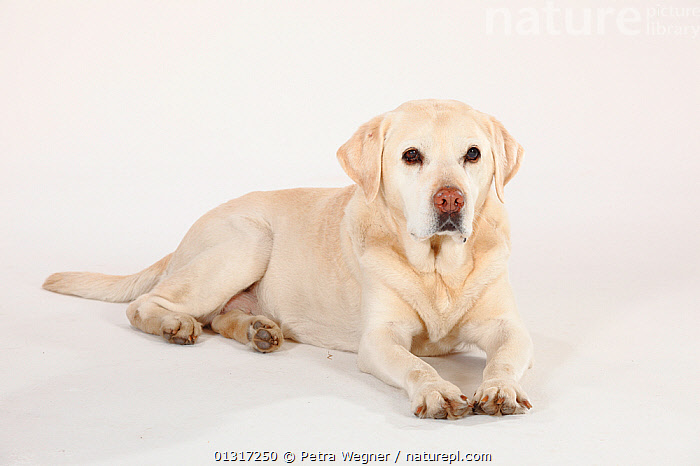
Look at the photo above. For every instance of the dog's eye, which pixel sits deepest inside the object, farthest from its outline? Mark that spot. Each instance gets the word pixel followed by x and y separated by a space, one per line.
pixel 412 157
pixel 472 154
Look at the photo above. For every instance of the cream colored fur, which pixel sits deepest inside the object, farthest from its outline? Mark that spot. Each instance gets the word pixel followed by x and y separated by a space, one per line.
pixel 363 268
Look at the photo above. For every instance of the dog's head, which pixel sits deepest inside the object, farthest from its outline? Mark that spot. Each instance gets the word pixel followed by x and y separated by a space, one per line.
pixel 433 161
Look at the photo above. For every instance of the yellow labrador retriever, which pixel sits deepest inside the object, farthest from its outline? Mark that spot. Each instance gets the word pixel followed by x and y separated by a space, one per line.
pixel 411 261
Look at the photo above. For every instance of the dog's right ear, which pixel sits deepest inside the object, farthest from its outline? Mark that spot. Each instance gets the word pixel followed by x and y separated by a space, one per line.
pixel 361 156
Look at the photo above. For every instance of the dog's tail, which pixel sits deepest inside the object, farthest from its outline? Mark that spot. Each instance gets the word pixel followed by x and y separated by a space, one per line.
pixel 113 288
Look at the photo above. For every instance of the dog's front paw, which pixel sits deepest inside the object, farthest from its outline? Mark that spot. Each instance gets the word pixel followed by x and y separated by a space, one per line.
pixel 265 335
pixel 500 396
pixel 180 329
pixel 439 400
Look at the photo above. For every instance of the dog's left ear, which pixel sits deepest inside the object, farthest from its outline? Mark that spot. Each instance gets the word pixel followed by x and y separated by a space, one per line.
pixel 361 156
pixel 507 155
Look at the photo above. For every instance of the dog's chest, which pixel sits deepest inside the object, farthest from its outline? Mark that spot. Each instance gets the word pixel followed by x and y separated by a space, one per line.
pixel 441 297
pixel 442 310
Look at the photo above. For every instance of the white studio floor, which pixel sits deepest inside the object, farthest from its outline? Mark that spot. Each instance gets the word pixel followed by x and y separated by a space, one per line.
pixel 124 122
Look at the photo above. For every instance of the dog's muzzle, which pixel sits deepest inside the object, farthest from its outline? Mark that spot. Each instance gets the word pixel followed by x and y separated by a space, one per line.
pixel 448 222
pixel 448 202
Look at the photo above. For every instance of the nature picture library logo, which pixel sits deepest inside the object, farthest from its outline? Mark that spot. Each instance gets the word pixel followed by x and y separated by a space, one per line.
pixel 553 18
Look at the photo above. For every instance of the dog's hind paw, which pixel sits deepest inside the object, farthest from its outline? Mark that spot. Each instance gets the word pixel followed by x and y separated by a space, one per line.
pixel 265 335
pixel 180 329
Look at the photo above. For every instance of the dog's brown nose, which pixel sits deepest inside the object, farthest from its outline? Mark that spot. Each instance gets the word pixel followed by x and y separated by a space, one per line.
pixel 448 200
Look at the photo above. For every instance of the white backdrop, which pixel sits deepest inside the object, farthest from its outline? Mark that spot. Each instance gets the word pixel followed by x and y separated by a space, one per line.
pixel 122 122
